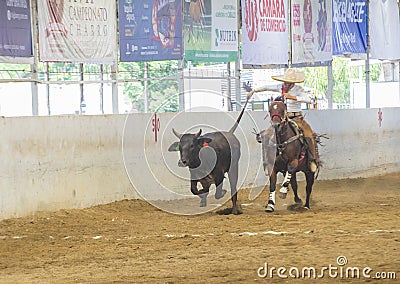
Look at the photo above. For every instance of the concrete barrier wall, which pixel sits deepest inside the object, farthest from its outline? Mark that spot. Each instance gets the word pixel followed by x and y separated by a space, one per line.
pixel 51 163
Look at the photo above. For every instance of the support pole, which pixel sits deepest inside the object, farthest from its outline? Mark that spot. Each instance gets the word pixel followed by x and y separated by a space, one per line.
pixel 101 88
pixel 34 66
pixel 181 85
pixel 228 89
pixel 47 78
pixel 329 91
pixel 367 67
pixel 82 109
pixel 237 65
pixel 114 87
pixel 146 87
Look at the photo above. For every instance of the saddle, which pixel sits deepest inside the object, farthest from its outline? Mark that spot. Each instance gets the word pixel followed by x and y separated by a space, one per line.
pixel 299 131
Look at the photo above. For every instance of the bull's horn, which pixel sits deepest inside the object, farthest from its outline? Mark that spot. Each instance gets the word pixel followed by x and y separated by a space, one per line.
pixel 198 133
pixel 176 133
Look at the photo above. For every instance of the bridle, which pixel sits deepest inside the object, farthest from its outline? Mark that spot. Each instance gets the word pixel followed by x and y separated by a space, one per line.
pixel 277 115
pixel 281 117
pixel 280 146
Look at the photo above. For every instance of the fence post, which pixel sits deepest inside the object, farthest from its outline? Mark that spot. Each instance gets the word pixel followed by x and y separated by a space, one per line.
pixel 114 78
pixel 34 66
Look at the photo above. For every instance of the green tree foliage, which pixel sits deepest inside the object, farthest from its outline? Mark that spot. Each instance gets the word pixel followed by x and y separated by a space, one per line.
pixel 162 88
pixel 317 78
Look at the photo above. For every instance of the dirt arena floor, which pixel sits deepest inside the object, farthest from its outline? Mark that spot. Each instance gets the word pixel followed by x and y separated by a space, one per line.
pixel 133 242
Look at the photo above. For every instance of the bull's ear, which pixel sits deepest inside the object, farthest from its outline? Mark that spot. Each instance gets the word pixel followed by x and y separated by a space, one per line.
pixel 174 147
pixel 203 141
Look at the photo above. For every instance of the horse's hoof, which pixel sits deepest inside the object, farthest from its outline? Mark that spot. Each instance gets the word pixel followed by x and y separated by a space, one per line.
pixel 270 208
pixel 220 193
pixel 298 201
pixel 307 207
pixel 282 195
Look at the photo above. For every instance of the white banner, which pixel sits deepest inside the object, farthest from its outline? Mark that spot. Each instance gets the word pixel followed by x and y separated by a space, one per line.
pixel 224 30
pixel 77 31
pixel 311 31
pixel 384 29
pixel 265 32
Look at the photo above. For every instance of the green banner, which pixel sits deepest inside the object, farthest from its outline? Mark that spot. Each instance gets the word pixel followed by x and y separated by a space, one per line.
pixel 210 30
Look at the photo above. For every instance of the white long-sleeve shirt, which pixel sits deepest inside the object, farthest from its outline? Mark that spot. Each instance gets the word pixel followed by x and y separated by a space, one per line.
pixel 297 91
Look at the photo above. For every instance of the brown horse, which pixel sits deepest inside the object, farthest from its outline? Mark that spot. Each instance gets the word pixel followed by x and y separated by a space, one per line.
pixel 284 151
pixel 196 13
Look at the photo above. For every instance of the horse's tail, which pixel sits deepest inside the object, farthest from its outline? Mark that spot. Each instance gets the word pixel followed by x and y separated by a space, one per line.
pixel 317 138
pixel 317 171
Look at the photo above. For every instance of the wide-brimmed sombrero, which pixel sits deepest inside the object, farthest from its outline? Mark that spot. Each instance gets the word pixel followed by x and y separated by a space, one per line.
pixel 291 76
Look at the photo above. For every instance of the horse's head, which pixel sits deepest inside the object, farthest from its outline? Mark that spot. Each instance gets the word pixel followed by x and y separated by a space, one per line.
pixel 277 113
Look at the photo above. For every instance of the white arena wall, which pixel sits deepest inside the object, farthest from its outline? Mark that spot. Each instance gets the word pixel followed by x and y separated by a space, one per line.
pixel 61 162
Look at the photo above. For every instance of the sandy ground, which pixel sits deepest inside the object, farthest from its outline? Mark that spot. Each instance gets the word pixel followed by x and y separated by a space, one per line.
pixel 133 242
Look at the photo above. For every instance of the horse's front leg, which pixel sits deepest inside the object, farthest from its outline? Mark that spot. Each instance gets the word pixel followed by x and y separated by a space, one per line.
pixel 286 181
pixel 293 183
pixel 272 187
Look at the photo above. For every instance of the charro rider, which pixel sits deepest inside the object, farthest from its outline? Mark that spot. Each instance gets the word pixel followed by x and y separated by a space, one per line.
pixel 294 95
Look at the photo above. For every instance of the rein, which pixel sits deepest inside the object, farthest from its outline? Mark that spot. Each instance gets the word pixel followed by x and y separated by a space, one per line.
pixel 281 146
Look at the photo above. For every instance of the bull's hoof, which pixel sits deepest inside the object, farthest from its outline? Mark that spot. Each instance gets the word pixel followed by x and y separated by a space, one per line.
pixel 270 208
pixel 220 193
pixel 237 210
pixel 225 211
pixel 203 202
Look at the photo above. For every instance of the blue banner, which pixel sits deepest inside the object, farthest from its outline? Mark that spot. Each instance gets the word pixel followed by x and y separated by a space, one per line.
pixel 349 27
pixel 15 29
pixel 150 30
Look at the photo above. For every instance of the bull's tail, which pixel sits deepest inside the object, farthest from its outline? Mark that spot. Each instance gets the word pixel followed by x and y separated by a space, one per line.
pixel 241 114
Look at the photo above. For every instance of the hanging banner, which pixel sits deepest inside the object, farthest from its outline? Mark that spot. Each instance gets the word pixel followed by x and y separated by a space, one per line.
pixel 384 29
pixel 77 31
pixel 311 31
pixel 15 29
pixel 264 32
pixel 210 30
pixel 150 30
pixel 349 26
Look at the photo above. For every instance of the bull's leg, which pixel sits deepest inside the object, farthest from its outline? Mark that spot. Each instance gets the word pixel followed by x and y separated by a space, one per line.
pixel 219 192
pixel 201 193
pixel 233 178
pixel 310 181
pixel 293 183
pixel 272 187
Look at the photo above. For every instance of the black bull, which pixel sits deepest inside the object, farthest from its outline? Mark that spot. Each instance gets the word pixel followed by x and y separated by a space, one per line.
pixel 209 157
